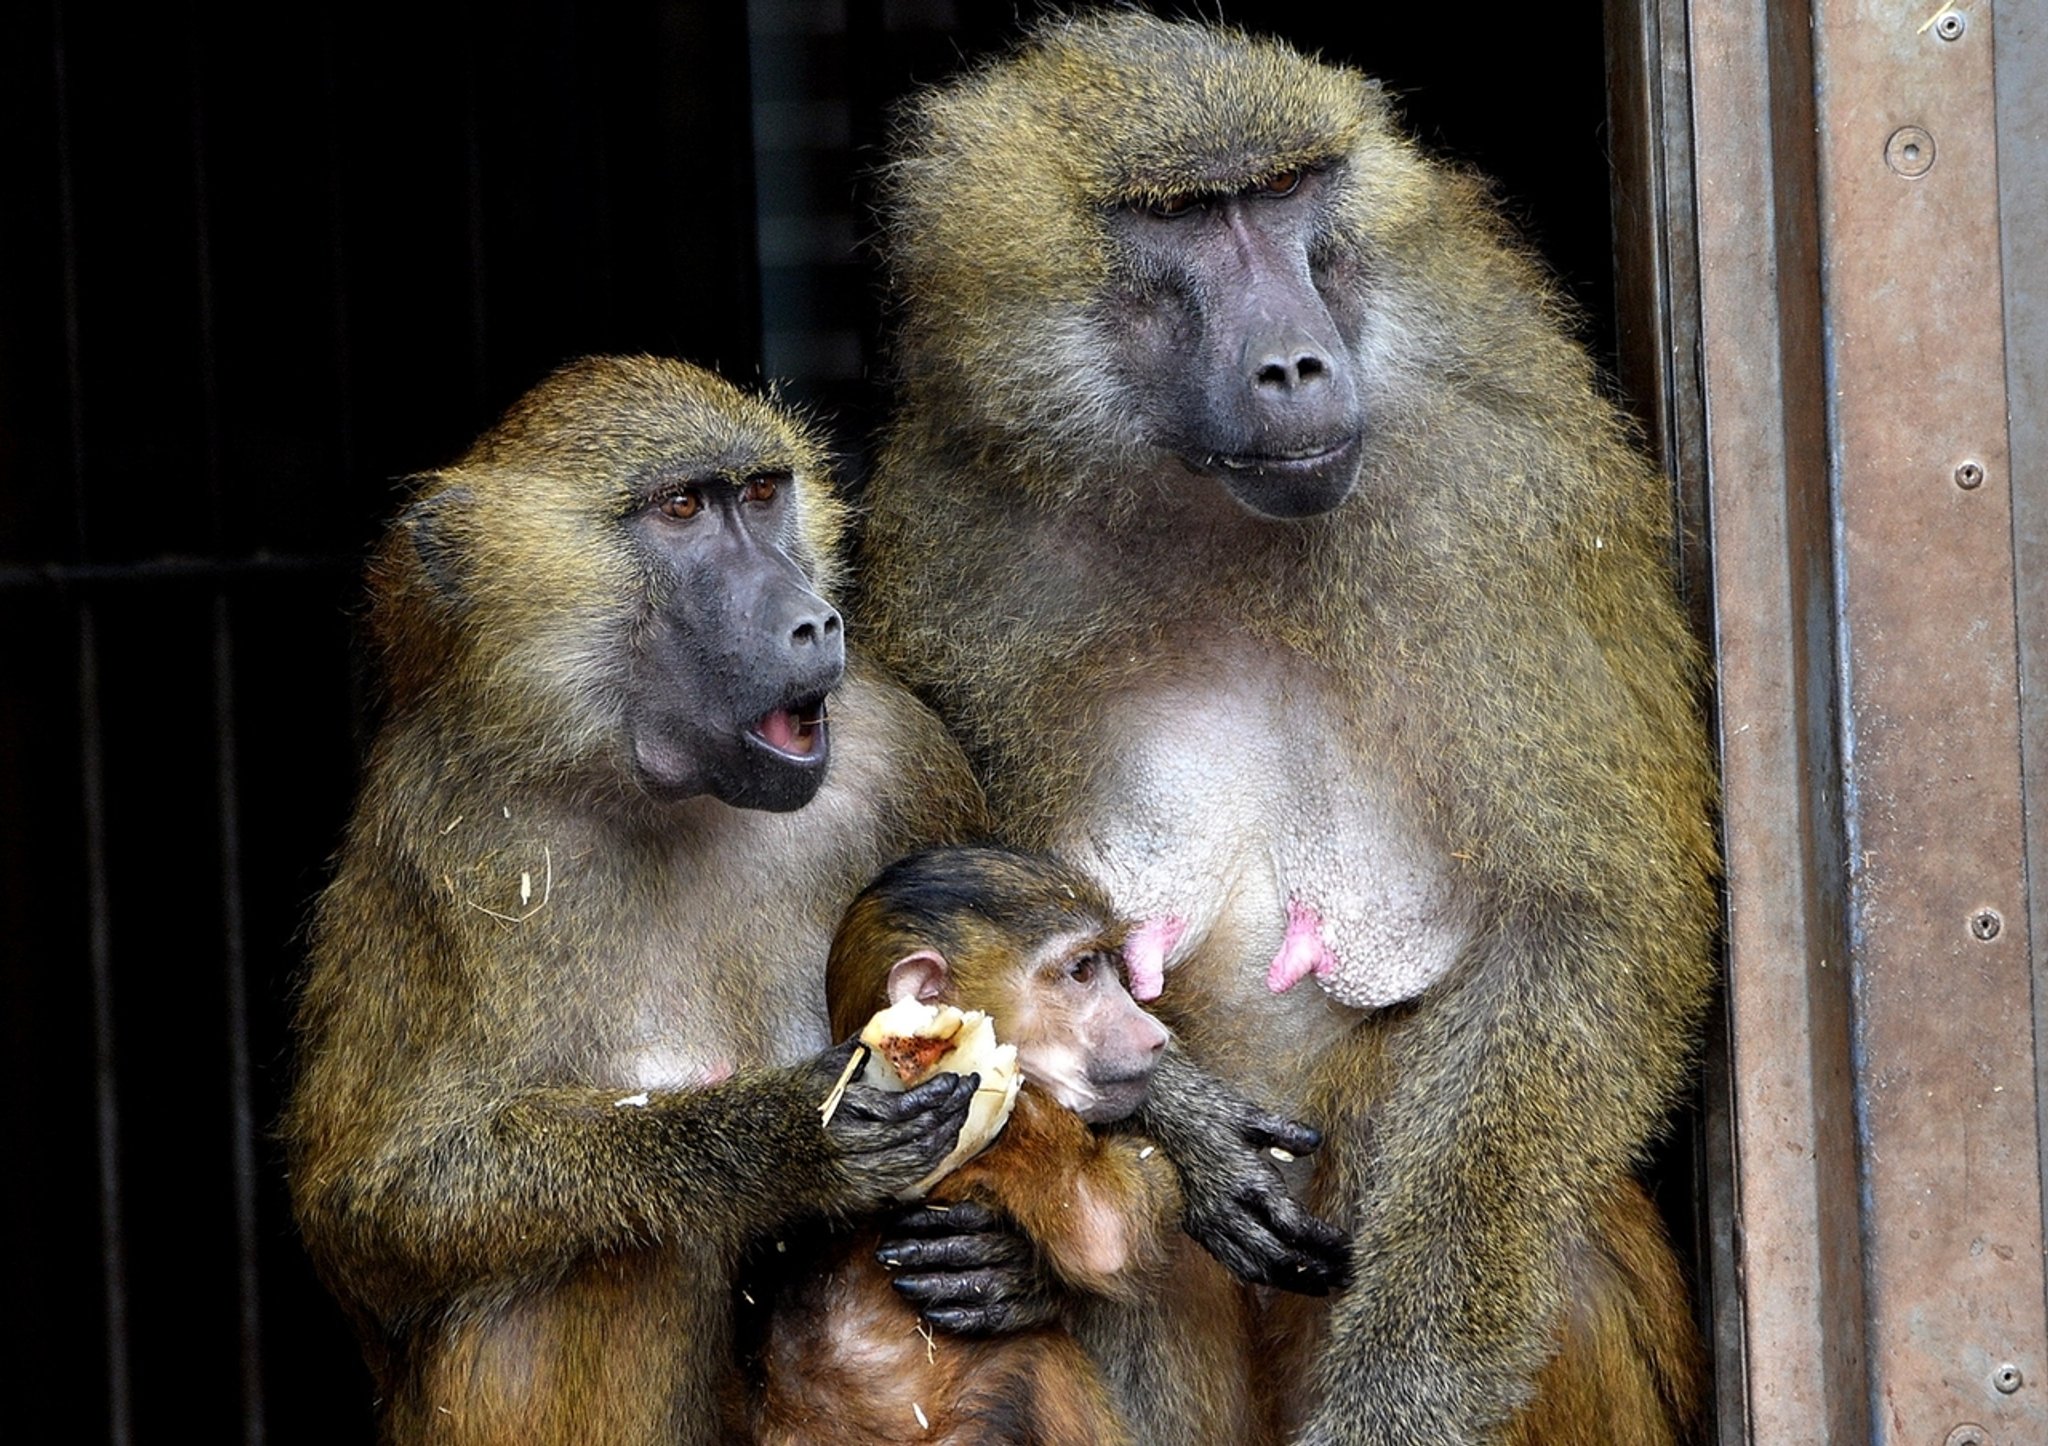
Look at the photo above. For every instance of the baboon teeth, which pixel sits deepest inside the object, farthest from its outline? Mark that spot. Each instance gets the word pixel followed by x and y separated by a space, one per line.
pixel 1279 459
pixel 794 731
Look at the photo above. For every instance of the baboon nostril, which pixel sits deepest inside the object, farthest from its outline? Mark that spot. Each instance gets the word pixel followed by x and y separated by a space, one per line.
pixel 815 630
pixel 1290 373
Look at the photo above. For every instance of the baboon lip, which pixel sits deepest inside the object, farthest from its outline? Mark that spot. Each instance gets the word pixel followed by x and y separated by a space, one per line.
pixel 1117 1099
pixel 1288 488
pixel 1287 463
pixel 1136 1079
pixel 794 733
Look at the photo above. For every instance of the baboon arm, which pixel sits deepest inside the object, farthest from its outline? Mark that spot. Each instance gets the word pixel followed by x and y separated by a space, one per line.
pixel 1235 1203
pixel 1481 1178
pixel 1099 1207
pixel 522 1188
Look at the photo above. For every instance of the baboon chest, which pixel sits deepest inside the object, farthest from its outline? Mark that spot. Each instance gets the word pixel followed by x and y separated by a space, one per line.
pixel 729 973
pixel 1237 809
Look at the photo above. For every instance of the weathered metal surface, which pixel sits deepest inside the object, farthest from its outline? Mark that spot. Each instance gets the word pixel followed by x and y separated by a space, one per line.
pixel 1799 1376
pixel 2022 79
pixel 1649 106
pixel 1943 989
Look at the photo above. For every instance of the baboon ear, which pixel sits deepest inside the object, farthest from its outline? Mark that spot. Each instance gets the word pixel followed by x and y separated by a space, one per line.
pixel 431 524
pixel 920 976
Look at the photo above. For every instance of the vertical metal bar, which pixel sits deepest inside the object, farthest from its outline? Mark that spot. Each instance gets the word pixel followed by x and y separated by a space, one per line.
pixel 1657 260
pixel 92 797
pixel 1916 356
pixel 1794 1156
pixel 1657 302
pixel 241 1110
pixel 235 952
pixel 113 1244
pixel 2021 78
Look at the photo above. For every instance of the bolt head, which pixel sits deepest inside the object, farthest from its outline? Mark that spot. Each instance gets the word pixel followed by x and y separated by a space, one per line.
pixel 1910 152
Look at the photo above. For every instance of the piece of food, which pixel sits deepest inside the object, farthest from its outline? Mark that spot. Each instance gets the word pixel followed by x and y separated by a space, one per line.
pixel 909 1042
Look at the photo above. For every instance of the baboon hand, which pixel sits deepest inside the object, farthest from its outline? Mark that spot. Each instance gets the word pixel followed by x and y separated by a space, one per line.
pixel 967 1269
pixel 1238 1209
pixel 1228 1152
pixel 889 1141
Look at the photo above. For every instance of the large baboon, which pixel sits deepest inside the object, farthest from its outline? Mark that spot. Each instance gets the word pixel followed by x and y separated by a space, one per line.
pixel 1252 516
pixel 564 1039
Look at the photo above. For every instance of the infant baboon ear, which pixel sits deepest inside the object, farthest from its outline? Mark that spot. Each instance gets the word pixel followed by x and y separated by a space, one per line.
pixel 921 976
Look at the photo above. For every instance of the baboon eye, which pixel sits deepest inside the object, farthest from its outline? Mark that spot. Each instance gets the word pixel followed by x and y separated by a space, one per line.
pixel 1082 969
pixel 1280 183
pixel 762 488
pixel 681 504
pixel 1172 206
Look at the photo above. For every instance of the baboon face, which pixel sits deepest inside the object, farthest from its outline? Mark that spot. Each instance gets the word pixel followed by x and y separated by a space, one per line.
pixel 1079 1033
pixel 1180 251
pixel 1025 937
pixel 728 689
pixel 623 579
pixel 1244 372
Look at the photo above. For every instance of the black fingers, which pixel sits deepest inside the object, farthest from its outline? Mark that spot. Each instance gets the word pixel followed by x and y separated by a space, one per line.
pixel 980 1302
pixel 956 1217
pixel 1236 1201
pixel 888 1141
pixel 996 1318
pixel 967 1269
pixel 946 1091
pixel 1270 1132
pixel 925 1241
pixel 941 1094
pixel 1266 1238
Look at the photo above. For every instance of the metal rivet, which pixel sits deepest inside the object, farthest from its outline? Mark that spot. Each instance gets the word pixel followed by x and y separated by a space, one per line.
pixel 2006 1378
pixel 1968 1434
pixel 1910 152
pixel 1986 923
pixel 1969 476
pixel 1951 25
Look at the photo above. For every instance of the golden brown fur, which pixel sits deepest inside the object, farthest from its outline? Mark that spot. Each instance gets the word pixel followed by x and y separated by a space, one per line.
pixel 552 1042
pixel 847 1358
pixel 1484 629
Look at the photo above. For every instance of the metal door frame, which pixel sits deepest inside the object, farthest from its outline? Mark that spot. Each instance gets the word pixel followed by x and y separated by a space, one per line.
pixel 1833 238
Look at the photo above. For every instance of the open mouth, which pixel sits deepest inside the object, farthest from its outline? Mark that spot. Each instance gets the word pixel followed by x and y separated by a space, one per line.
pixel 796 732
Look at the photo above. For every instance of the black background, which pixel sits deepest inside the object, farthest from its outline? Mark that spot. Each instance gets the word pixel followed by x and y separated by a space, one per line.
pixel 250 274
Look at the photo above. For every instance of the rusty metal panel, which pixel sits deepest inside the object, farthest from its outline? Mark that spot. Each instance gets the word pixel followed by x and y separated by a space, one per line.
pixel 1649 107
pixel 1944 997
pixel 2022 79
pixel 1872 257
pixel 1791 1084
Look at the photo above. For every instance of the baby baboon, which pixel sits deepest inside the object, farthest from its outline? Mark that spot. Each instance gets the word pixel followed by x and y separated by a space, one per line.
pixel 563 1043
pixel 1035 945
pixel 1253 519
